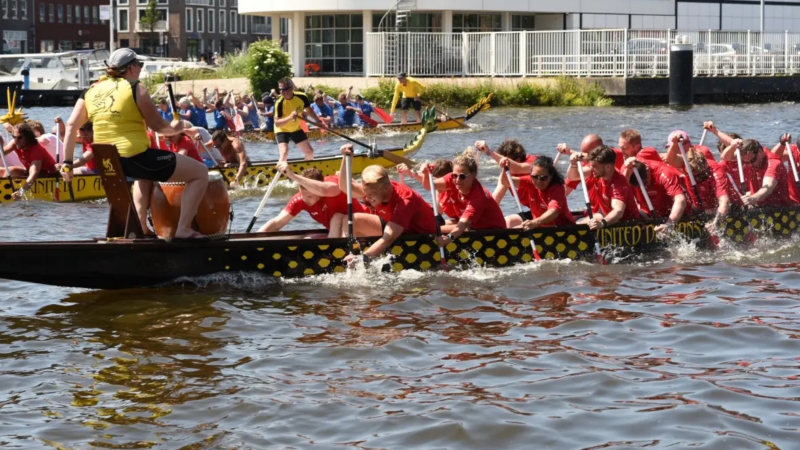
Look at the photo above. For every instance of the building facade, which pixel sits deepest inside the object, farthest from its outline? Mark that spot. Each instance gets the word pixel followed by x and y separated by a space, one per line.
pixel 188 29
pixel 16 25
pixel 332 34
pixel 65 25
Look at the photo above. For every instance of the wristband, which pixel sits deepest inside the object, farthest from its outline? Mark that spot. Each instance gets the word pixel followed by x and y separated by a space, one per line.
pixel 605 224
pixel 451 237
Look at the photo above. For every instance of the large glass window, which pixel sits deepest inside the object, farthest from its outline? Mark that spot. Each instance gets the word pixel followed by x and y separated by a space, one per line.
pixel 522 22
pixel 471 23
pixel 123 20
pixel 415 23
pixel 335 42
pixel 211 21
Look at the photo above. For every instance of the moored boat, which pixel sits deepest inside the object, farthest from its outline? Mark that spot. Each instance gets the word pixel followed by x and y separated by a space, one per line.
pixel 114 263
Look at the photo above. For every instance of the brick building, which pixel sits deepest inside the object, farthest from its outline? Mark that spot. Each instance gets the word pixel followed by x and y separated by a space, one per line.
pixel 63 25
pixel 17 26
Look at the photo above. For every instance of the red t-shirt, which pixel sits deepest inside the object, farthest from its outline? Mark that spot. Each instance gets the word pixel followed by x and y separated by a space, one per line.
pixel 618 162
pixel 37 153
pixel 617 188
pixel 184 143
pixel 540 202
pixel 408 209
pixel 773 167
pixel 162 142
pixel 714 187
pixel 706 152
pixel 325 208
pixel 91 164
pixel 482 211
pixel 666 183
pixel 793 193
pixel 649 154
pixel 450 202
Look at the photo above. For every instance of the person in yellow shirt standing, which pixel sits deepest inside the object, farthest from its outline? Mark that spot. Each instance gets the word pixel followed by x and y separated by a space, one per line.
pixel 412 90
pixel 288 109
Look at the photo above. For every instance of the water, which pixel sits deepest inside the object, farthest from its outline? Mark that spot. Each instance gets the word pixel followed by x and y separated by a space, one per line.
pixel 692 350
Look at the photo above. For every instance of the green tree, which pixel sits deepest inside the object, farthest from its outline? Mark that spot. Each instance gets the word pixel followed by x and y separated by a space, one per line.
pixel 266 64
pixel 149 21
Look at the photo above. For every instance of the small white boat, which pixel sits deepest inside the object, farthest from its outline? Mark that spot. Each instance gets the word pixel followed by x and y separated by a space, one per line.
pixel 49 71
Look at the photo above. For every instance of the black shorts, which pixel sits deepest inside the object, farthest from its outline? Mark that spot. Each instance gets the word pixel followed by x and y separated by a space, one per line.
pixel 295 136
pixel 152 164
pixel 405 102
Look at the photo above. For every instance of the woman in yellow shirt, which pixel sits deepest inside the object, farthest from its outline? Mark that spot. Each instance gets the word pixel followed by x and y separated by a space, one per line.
pixel 119 107
pixel 411 90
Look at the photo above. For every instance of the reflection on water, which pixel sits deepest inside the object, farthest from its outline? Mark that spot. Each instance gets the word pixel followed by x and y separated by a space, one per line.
pixel 692 349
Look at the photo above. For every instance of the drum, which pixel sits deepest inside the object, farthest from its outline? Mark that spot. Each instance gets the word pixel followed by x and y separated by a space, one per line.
pixel 212 214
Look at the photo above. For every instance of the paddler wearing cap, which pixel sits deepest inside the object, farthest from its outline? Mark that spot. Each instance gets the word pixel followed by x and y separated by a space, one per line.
pixel 120 108
pixel 412 92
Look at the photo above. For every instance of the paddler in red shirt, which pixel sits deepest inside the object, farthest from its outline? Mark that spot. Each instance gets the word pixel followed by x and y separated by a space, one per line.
pixel 181 143
pixel 481 212
pixel 397 208
pixel 543 192
pixel 319 197
pixel 589 143
pixel 613 199
pixel 782 149
pixel 450 202
pixel 36 160
pixel 765 175
pixel 520 161
pixel 86 138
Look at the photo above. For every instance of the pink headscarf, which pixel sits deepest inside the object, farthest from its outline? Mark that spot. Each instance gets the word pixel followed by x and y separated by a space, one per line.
pixel 682 134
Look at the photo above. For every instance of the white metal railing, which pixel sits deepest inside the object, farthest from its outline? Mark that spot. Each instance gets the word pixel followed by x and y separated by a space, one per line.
pixel 161 25
pixel 200 2
pixel 262 28
pixel 587 53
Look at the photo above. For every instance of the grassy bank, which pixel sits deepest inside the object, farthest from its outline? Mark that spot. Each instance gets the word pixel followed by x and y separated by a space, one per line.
pixel 564 91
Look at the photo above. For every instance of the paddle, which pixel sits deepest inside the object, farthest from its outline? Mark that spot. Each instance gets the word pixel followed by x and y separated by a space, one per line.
pixel 5 166
pixel 383 114
pixel 367 120
pixel 751 237
pixel 644 193
pixel 439 219
pixel 555 160
pixel 208 152
pixel 172 105
pixel 703 137
pixel 590 214
pixel 524 215
pixel 261 205
pixel 355 141
pixel 461 125
pixel 157 91
pixel 682 148
pixel 349 174
pixel 792 161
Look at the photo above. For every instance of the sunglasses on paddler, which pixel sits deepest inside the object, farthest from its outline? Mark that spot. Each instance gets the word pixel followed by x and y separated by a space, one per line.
pixel 540 177
pixel 461 176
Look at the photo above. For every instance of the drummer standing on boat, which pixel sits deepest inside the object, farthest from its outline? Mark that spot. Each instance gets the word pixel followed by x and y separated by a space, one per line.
pixel 34 157
pixel 290 107
pixel 412 92
pixel 120 107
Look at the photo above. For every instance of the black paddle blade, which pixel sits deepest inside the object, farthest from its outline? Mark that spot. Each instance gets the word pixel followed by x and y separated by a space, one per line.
pixel 252 223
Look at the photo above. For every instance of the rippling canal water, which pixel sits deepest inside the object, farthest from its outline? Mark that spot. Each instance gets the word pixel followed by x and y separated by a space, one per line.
pixel 690 350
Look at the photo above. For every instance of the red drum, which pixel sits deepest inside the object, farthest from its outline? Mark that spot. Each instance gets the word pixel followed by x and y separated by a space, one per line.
pixel 212 214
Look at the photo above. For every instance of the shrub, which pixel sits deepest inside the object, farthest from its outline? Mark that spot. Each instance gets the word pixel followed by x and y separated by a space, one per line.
pixel 265 65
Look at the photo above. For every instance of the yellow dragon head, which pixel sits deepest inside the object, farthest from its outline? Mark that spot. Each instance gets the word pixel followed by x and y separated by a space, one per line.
pixel 429 125
pixel 13 117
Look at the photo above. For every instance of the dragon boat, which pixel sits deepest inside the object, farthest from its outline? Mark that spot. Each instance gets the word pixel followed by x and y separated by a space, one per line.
pixel 115 262
pixel 451 123
pixel 89 186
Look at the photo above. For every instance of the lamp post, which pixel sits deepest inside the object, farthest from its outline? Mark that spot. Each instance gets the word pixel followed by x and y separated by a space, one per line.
pixel 762 19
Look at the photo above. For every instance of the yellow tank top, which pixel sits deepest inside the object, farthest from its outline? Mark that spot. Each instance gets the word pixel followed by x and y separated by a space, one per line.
pixel 115 116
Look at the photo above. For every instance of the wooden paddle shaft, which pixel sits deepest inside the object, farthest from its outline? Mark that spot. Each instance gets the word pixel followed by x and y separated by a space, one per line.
pixel 397 159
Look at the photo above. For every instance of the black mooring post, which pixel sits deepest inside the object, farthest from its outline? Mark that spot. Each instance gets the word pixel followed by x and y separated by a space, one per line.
pixel 681 91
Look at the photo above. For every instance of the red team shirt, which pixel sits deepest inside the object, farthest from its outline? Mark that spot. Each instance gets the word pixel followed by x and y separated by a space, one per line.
pixel 450 202
pixel 794 195
pixel 325 208
pixel 773 167
pixel 91 164
pixel 617 188
pixel 575 184
pixel 552 198
pixel 37 153
pixel 665 184
pixel 408 209
pixel 482 211
pixel 184 143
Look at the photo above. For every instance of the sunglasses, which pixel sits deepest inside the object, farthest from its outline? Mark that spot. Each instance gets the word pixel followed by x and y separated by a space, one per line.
pixel 285 89
pixel 540 177
pixel 461 176
pixel 16 138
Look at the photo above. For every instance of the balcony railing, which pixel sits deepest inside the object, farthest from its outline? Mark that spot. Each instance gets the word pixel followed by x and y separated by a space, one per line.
pixel 200 2
pixel 619 53
pixel 262 28
pixel 161 25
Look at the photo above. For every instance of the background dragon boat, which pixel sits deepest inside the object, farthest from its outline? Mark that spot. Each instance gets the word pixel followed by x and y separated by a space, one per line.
pixel 89 186
pixel 116 263
pixel 451 123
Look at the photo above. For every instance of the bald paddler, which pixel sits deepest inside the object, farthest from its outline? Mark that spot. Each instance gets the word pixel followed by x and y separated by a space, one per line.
pixel 395 207
pixel 120 107
pixel 412 92
pixel 320 197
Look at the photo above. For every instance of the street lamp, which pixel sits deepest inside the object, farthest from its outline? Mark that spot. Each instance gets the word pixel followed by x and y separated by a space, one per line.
pixel 762 18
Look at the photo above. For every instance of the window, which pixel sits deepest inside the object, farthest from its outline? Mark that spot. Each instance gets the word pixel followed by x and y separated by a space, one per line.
pixel 42 12
pixel 60 13
pixel 123 2
pixel 471 23
pixel 13 13
pixel 4 6
pixel 262 25
pixel 221 21
pixel 47 46
pixel 210 20
pixel 522 22
pixel 243 27
pixel 52 10
pixel 23 9
pixel 335 42
pixel 222 3
pixel 96 15
pixel 77 14
pixel 69 13
pixel 124 43
pixel 416 23
pixel 64 45
pixel 189 19
pixel 122 20
pixel 86 18
pixel 200 21
pixel 234 22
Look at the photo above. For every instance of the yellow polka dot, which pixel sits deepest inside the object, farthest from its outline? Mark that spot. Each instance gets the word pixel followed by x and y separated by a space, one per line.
pixel 260 266
pixel 244 257
pixel 324 262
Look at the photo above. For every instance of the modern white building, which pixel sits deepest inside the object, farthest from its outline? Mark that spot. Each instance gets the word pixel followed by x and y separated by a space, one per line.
pixel 333 33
